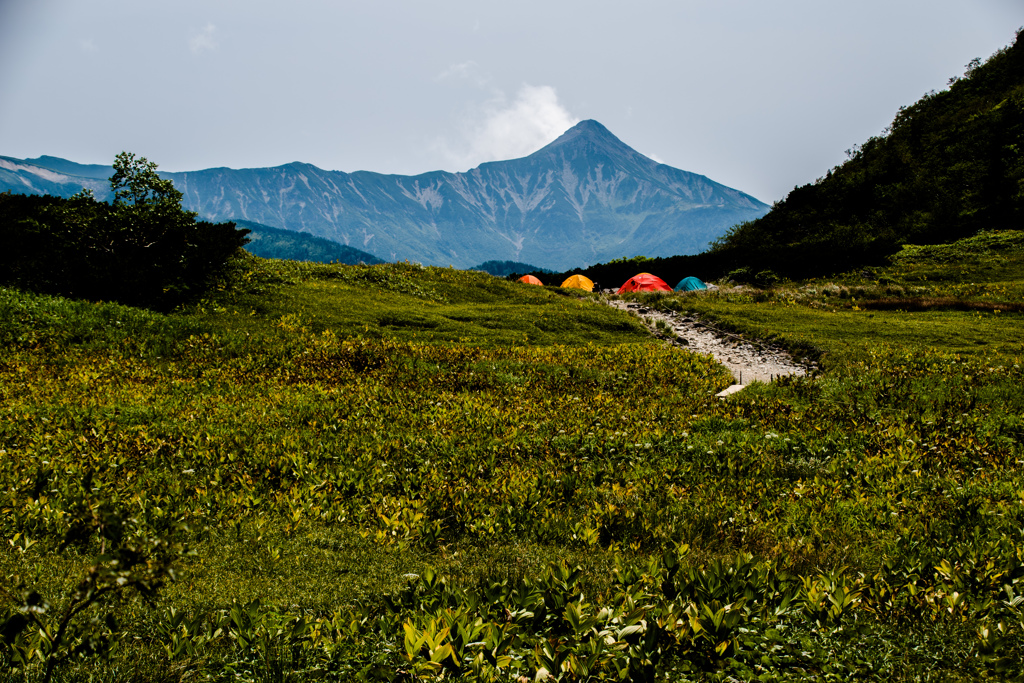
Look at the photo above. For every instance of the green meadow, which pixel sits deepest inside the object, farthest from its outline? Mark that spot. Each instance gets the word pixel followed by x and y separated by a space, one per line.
pixel 399 473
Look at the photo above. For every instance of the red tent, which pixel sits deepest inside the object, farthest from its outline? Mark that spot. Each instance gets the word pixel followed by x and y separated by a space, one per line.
pixel 530 280
pixel 645 282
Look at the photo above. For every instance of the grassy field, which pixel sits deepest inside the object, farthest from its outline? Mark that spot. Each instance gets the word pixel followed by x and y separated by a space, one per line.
pixel 405 473
pixel 948 298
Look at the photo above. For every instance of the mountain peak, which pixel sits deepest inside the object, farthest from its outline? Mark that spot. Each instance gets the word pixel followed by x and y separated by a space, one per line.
pixel 592 134
pixel 593 128
pixel 589 129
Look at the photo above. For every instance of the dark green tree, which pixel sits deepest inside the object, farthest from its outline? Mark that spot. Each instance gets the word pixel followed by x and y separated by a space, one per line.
pixel 142 249
pixel 135 182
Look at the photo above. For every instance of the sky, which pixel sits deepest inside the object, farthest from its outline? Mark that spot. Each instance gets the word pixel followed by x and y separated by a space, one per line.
pixel 760 96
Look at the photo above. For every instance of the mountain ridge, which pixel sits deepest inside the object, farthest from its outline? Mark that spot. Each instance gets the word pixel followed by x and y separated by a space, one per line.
pixel 583 198
pixel 276 243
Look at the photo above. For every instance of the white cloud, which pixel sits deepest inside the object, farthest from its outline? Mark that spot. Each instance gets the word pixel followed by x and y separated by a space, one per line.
pixel 203 41
pixel 501 129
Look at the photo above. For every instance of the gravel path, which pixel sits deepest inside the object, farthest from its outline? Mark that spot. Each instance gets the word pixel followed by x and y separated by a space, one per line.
pixel 748 361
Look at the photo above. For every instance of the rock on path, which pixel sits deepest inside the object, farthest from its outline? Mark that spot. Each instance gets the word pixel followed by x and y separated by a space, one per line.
pixel 747 361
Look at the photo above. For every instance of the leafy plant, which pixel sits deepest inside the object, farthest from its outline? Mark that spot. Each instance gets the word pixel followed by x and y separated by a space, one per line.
pixel 35 631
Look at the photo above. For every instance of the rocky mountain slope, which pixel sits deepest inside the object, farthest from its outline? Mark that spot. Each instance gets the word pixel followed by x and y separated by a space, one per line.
pixel 37 176
pixel 586 197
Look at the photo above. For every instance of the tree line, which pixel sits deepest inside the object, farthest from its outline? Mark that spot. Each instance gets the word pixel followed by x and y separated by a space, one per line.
pixel 141 249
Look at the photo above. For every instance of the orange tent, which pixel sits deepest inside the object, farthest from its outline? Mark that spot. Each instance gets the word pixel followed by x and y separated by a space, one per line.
pixel 579 282
pixel 645 282
pixel 530 280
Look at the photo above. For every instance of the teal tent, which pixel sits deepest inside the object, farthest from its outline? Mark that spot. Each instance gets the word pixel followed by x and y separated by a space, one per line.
pixel 690 284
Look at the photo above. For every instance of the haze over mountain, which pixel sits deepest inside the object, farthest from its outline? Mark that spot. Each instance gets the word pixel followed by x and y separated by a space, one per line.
pixel 586 197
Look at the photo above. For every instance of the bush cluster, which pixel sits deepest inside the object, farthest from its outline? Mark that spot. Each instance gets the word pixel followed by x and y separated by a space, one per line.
pixel 143 249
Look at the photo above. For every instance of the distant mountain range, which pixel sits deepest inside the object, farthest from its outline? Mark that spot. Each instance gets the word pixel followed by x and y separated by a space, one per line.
pixel 586 197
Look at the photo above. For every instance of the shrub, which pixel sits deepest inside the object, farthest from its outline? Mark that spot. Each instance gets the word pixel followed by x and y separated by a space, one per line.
pixel 143 249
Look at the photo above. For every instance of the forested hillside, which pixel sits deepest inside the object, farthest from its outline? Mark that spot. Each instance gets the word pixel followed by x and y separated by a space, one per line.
pixel 268 242
pixel 506 268
pixel 948 166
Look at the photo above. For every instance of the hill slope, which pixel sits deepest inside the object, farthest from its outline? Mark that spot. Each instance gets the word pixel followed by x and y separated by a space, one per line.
pixel 586 197
pixel 268 242
pixel 948 166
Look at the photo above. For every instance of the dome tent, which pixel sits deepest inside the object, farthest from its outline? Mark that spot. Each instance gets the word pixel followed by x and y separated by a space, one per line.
pixel 530 280
pixel 645 282
pixel 579 282
pixel 690 284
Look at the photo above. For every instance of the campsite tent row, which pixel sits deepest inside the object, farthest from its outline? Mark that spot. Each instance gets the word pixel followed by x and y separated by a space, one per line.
pixel 644 282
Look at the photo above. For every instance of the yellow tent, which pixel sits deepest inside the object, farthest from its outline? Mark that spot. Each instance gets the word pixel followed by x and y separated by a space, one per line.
pixel 579 282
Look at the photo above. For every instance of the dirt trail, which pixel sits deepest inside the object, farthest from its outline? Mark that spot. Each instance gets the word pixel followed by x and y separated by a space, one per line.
pixel 749 361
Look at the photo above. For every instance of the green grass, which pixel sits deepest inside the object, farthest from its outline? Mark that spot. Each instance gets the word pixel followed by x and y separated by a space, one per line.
pixel 961 298
pixel 987 268
pixel 29 321
pixel 411 303
pixel 344 463
pixel 837 332
pixel 989 257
